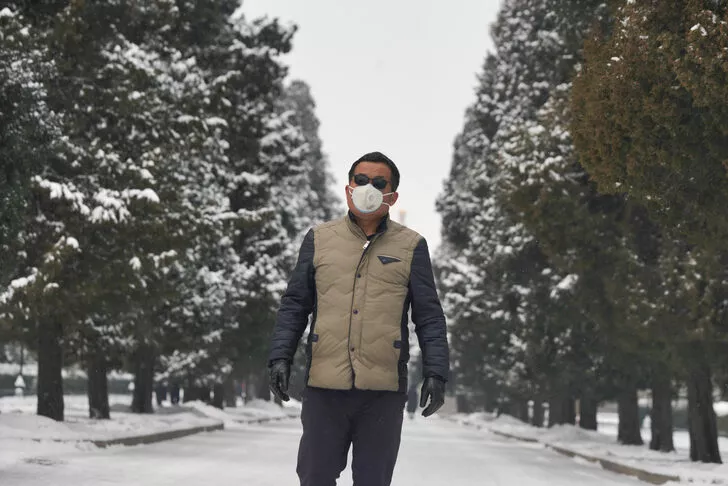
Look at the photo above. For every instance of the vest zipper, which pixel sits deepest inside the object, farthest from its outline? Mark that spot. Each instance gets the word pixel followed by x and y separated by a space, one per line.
pixel 365 247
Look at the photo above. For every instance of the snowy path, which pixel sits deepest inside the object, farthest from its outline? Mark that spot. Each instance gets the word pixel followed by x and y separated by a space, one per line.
pixel 433 453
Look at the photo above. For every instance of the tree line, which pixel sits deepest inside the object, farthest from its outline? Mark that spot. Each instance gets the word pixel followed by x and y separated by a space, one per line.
pixel 157 170
pixel 584 230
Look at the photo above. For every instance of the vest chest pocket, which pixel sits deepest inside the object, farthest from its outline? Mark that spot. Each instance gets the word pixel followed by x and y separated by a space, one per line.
pixel 388 269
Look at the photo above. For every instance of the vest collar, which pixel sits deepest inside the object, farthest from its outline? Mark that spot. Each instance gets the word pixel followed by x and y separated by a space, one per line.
pixel 356 229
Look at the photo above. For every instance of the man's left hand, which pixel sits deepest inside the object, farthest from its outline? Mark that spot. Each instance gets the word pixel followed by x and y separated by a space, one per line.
pixel 434 389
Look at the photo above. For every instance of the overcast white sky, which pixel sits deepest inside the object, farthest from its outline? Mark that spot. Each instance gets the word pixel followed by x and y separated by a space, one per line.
pixel 390 75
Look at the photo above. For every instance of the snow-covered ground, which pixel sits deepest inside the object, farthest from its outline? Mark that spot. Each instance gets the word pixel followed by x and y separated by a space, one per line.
pixel 18 420
pixel 603 445
pixel 608 423
pixel 251 411
pixel 434 452
pixel 24 435
pixel 38 451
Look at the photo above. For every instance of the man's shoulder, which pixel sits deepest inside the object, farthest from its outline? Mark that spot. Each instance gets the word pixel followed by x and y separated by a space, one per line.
pixel 405 233
pixel 329 225
pixel 327 230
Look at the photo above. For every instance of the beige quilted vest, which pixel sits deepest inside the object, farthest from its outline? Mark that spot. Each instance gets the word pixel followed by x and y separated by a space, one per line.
pixel 361 292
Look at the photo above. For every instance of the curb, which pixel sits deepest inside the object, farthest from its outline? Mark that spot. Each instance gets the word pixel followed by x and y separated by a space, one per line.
pixel 145 439
pixel 265 420
pixel 615 467
pixel 157 437
pixel 530 440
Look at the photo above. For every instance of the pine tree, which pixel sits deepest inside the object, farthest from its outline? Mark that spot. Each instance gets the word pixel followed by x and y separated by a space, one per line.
pixel 265 173
pixel 167 223
pixel 536 49
pixel 32 137
pixel 298 98
pixel 646 125
pixel 660 58
pixel 29 130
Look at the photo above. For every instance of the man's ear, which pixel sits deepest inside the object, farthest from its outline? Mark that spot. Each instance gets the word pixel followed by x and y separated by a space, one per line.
pixel 393 198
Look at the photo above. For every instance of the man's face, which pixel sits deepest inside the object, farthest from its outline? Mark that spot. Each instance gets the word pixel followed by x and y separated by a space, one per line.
pixel 372 170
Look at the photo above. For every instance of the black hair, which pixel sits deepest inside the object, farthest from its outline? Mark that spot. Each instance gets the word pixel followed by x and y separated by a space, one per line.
pixel 378 157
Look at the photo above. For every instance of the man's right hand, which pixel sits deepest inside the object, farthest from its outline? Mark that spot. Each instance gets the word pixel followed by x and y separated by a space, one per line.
pixel 280 372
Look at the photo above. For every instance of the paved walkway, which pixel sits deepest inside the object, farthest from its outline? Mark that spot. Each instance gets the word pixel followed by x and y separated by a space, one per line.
pixel 434 452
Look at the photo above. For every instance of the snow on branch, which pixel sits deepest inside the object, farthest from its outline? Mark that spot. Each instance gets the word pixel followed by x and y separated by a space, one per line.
pixel 17 285
pixel 6 13
pixel 66 192
pixel 566 284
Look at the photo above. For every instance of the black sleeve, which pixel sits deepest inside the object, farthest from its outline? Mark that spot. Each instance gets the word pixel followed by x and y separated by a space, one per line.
pixel 428 316
pixel 296 305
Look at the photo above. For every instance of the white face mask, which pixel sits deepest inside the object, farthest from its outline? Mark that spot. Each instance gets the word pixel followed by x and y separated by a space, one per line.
pixel 367 199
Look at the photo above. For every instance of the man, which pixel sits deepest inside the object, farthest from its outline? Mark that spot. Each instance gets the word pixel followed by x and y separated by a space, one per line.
pixel 358 276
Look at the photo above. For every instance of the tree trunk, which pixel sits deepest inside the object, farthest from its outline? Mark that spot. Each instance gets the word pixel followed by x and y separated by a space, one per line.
pixel 462 404
pixel 555 412
pixel 50 366
pixel 522 409
pixel 230 391
pixel 505 407
pixel 490 402
pixel 588 412
pixel 190 390
pixel 562 410
pixel 569 412
pixel 218 395
pixel 262 391
pixel 143 380
pixel 161 391
pixel 701 416
pixel 98 385
pixel 192 393
pixel 537 417
pixel 629 417
pixel 174 392
pixel 661 414
pixel 205 395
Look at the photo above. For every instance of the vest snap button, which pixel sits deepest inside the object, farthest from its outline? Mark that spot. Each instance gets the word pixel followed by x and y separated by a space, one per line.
pixel 353 349
pixel 356 311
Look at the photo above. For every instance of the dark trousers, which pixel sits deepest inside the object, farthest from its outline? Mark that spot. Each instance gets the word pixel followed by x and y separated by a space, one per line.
pixel 333 420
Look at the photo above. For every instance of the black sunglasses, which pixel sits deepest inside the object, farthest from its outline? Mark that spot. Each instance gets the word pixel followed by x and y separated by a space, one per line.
pixel 378 182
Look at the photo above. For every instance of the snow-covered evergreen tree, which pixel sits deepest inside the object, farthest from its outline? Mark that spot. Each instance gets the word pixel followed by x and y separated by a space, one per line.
pixel 650 118
pixel 537 45
pixel 163 218
pixel 30 129
pixel 321 198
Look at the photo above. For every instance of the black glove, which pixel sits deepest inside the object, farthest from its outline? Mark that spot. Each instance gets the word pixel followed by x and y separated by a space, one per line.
pixel 434 388
pixel 280 372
